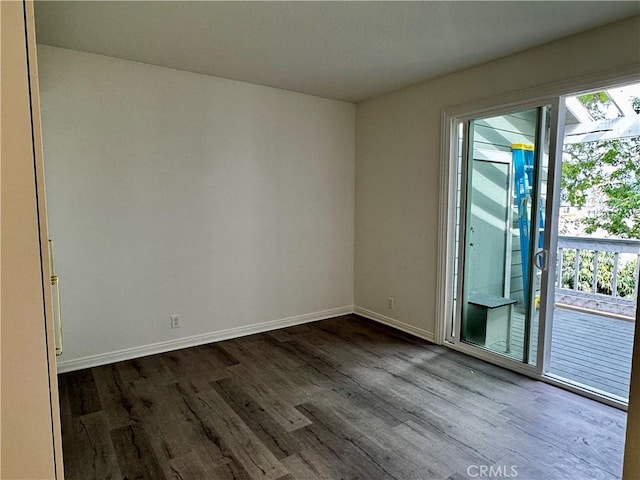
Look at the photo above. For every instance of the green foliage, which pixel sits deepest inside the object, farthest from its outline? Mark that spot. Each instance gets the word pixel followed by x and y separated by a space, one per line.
pixel 596 104
pixel 611 169
pixel 626 273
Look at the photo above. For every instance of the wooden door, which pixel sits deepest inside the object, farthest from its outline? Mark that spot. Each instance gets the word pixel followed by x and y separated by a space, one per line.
pixel 30 438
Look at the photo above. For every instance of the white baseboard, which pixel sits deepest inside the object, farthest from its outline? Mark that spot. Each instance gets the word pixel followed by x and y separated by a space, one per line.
pixel 161 347
pixel 391 322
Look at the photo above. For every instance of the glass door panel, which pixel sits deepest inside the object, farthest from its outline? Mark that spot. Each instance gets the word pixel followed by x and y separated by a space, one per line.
pixel 502 232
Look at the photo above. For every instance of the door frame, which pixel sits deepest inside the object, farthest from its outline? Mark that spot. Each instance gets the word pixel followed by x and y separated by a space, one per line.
pixel 31 430
pixel 552 94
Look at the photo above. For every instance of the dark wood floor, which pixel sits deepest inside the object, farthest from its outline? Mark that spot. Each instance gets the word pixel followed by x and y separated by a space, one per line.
pixel 338 399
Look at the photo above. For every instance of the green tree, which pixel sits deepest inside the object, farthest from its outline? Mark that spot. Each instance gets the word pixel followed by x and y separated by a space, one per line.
pixel 597 104
pixel 610 168
pixel 606 169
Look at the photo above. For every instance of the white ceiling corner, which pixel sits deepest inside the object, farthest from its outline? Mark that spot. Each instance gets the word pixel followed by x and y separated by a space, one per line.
pixel 343 50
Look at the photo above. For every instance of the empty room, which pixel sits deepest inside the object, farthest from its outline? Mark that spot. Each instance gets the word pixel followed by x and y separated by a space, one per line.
pixel 320 240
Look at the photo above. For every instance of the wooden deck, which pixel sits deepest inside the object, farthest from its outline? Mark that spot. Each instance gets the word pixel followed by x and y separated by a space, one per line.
pixel 589 349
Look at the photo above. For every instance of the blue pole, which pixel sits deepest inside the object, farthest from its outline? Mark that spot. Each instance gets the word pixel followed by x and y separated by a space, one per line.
pixel 522 155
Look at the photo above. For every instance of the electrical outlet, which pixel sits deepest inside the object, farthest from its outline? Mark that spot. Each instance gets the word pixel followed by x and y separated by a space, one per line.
pixel 391 303
pixel 175 321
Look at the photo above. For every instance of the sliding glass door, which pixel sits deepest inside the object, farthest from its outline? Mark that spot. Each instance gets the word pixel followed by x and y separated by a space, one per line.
pixel 503 163
pixel 537 236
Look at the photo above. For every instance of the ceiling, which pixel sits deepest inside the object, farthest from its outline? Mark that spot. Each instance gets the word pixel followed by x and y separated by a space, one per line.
pixel 343 50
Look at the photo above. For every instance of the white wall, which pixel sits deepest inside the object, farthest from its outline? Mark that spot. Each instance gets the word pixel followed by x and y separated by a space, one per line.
pixel 233 204
pixel 398 164
pixel 171 192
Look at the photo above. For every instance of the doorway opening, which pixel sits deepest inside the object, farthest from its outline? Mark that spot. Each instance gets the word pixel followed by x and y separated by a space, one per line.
pixel 598 244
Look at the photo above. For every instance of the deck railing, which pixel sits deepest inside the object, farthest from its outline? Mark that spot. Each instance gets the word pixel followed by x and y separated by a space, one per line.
pixel 598 274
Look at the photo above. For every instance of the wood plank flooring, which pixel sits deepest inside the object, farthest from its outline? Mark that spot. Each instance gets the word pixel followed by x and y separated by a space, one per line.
pixel 343 398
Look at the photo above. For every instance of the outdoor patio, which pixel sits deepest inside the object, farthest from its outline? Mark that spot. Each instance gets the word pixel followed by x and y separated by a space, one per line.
pixel 587 348
pixel 591 343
